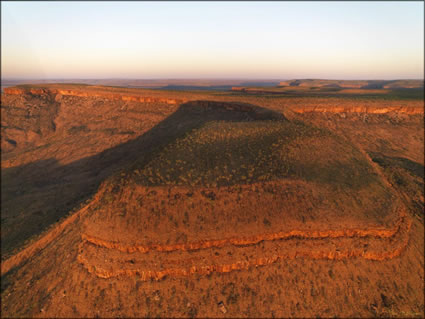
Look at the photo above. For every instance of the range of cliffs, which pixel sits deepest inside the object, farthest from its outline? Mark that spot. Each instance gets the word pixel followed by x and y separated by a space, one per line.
pixel 89 93
pixel 359 109
pixel 30 113
pixel 355 84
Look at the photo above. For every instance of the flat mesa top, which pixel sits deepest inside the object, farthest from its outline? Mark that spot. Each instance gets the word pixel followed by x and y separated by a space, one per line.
pixel 256 176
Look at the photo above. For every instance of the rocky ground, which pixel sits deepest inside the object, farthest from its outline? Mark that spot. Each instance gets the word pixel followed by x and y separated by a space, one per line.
pixel 143 203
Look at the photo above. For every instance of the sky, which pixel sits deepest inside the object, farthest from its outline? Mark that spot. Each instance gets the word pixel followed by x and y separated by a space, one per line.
pixel 212 40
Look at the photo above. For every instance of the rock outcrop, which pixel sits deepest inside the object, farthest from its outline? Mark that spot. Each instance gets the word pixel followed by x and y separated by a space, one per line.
pixel 353 84
pixel 90 93
pixel 107 261
pixel 360 109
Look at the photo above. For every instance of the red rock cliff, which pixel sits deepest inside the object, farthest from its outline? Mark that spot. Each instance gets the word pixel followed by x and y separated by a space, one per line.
pixel 91 93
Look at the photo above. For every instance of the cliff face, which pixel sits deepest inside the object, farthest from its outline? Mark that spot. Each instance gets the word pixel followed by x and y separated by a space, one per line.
pixel 321 83
pixel 397 84
pixel 29 115
pixel 58 93
pixel 27 118
pixel 360 109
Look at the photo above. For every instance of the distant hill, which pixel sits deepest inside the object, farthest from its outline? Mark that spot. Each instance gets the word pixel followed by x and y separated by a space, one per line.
pixel 356 84
pixel 174 84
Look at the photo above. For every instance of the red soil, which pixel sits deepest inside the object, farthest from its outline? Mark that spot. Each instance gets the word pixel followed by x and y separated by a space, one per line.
pixel 105 260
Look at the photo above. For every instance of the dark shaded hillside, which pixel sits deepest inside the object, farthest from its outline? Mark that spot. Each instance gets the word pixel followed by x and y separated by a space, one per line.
pixel 38 194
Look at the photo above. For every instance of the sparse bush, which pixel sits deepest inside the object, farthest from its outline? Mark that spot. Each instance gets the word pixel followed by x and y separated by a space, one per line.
pixel 78 129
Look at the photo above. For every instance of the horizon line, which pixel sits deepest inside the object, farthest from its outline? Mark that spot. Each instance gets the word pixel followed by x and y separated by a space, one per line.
pixel 212 78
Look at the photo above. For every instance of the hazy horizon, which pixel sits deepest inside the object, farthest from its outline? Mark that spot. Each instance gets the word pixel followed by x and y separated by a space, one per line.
pixel 212 40
pixel 206 79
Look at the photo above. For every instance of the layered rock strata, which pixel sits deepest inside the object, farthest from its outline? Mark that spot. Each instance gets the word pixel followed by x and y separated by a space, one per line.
pixel 107 260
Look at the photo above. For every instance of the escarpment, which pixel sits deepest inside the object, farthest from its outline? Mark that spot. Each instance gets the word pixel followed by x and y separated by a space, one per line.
pixel 203 262
pixel 26 119
pixel 360 109
pixel 90 93
pixel 30 114
pixel 354 84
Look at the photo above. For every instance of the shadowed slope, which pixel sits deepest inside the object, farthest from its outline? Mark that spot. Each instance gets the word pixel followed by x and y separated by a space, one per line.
pixel 38 194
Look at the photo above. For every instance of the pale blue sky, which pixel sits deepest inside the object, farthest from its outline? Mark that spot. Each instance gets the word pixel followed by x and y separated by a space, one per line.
pixel 279 40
